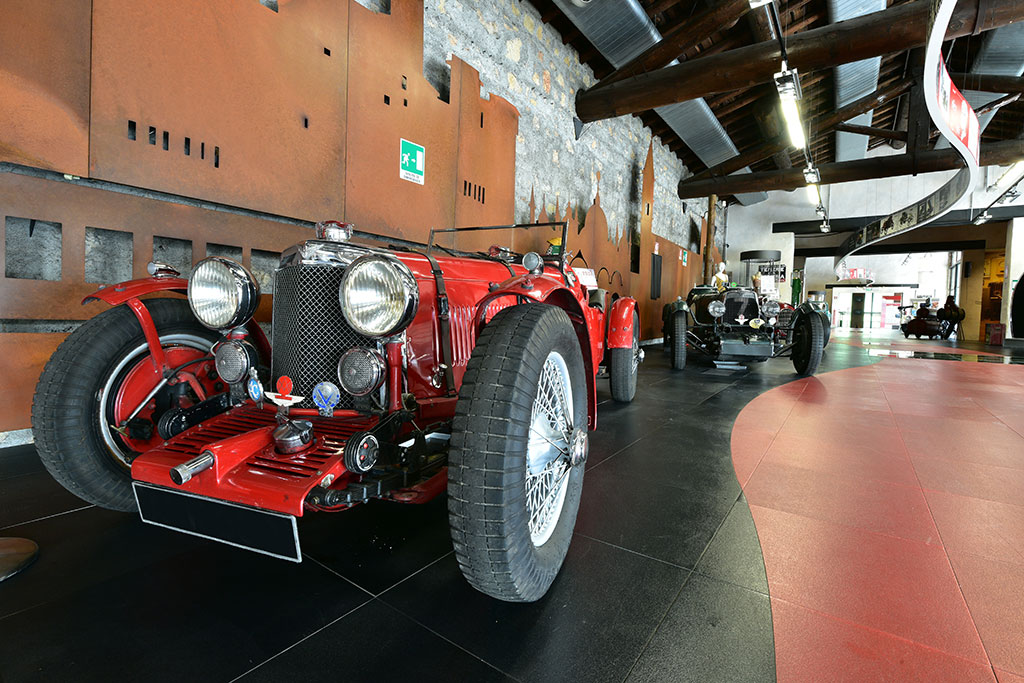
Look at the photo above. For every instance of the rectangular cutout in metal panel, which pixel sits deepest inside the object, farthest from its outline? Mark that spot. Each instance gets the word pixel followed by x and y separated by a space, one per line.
pixel 32 249
pixel 262 531
pixel 108 255
pixel 655 276
pixel 174 252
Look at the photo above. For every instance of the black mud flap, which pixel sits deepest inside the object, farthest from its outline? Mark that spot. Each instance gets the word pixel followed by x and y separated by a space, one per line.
pixel 262 531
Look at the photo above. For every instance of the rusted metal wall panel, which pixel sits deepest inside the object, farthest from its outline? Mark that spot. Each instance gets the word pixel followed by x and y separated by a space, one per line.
pixel 22 357
pixel 76 206
pixel 650 310
pixel 44 84
pixel 486 172
pixel 262 104
pixel 390 100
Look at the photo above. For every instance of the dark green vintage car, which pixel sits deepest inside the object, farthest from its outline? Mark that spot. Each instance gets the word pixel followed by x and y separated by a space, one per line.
pixel 733 327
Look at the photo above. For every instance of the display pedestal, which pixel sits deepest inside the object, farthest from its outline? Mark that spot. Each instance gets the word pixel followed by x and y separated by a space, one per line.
pixel 16 554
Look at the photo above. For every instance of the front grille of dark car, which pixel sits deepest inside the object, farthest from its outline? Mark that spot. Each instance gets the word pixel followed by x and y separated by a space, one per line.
pixel 737 303
pixel 310 333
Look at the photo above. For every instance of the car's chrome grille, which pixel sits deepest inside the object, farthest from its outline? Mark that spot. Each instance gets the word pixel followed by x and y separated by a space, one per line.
pixel 310 333
pixel 739 303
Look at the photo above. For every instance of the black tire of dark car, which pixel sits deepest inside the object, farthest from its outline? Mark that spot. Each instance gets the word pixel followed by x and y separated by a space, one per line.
pixel 487 468
pixel 808 343
pixel 623 367
pixel 66 405
pixel 678 324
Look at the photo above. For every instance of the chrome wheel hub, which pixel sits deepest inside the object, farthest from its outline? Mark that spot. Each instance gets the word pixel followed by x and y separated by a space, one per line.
pixel 638 353
pixel 549 455
pixel 579 446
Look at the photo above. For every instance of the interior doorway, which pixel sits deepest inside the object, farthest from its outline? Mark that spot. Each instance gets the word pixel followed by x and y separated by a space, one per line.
pixel 992 289
pixel 1017 310
pixel 857 310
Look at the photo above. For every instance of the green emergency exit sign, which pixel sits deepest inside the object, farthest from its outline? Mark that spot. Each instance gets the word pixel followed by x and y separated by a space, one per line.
pixel 412 165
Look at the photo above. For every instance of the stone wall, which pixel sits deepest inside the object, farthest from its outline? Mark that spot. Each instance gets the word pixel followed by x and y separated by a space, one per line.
pixel 524 60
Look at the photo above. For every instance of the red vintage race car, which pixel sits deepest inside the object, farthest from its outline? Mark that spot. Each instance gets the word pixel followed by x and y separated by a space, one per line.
pixel 398 374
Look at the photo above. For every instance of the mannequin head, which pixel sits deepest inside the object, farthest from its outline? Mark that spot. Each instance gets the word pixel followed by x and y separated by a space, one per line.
pixel 721 266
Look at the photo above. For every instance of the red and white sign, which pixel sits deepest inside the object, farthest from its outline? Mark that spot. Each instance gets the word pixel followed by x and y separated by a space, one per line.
pixel 956 112
pixel 586 277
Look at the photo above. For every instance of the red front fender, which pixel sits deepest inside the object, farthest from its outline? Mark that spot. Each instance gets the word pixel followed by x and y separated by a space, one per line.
pixel 620 323
pixel 129 293
pixel 123 291
pixel 551 292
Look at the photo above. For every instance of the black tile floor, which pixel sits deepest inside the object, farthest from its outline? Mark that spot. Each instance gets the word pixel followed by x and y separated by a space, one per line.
pixel 664 580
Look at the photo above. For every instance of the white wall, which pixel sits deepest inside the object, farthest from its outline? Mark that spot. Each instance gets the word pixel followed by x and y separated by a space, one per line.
pixel 1014 267
pixel 750 227
pixel 927 270
pixel 883 196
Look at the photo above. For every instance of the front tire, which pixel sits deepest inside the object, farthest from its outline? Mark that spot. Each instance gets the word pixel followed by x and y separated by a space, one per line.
pixel 624 365
pixel 679 340
pixel 512 493
pixel 808 344
pixel 72 404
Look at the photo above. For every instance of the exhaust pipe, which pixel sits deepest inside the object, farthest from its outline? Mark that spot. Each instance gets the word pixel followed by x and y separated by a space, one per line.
pixel 186 470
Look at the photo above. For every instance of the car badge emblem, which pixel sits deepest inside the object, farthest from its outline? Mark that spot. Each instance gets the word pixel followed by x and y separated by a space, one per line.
pixel 326 395
pixel 283 395
pixel 741 319
pixel 254 388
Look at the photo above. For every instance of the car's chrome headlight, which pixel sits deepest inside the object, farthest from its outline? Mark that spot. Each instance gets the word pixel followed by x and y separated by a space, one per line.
pixel 771 308
pixel 378 295
pixel 716 308
pixel 222 293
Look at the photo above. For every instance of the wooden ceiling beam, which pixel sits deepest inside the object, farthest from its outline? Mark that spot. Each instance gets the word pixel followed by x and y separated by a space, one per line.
pixel 723 45
pixel 751 96
pixel 680 38
pixel 998 103
pixel 820 125
pixel 661 6
pixel 927 161
pixel 871 35
pixel 797 26
pixel 791 7
pixel 872 132
pixel 988 83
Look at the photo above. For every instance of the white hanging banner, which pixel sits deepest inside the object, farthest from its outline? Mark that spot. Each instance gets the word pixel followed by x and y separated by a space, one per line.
pixel 956 121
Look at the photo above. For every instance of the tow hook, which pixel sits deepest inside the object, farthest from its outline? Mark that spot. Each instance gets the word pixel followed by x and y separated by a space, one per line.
pixel 579 447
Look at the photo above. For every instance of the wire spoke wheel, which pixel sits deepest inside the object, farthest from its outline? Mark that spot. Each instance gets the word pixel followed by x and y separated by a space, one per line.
pixel 548 448
pixel 518 449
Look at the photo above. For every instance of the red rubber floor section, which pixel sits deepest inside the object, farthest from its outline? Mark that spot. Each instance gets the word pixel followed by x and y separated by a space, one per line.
pixel 889 503
pixel 887 342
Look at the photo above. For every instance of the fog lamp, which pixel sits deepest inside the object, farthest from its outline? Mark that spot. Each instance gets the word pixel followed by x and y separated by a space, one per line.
pixel 716 308
pixel 361 371
pixel 771 308
pixel 233 358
